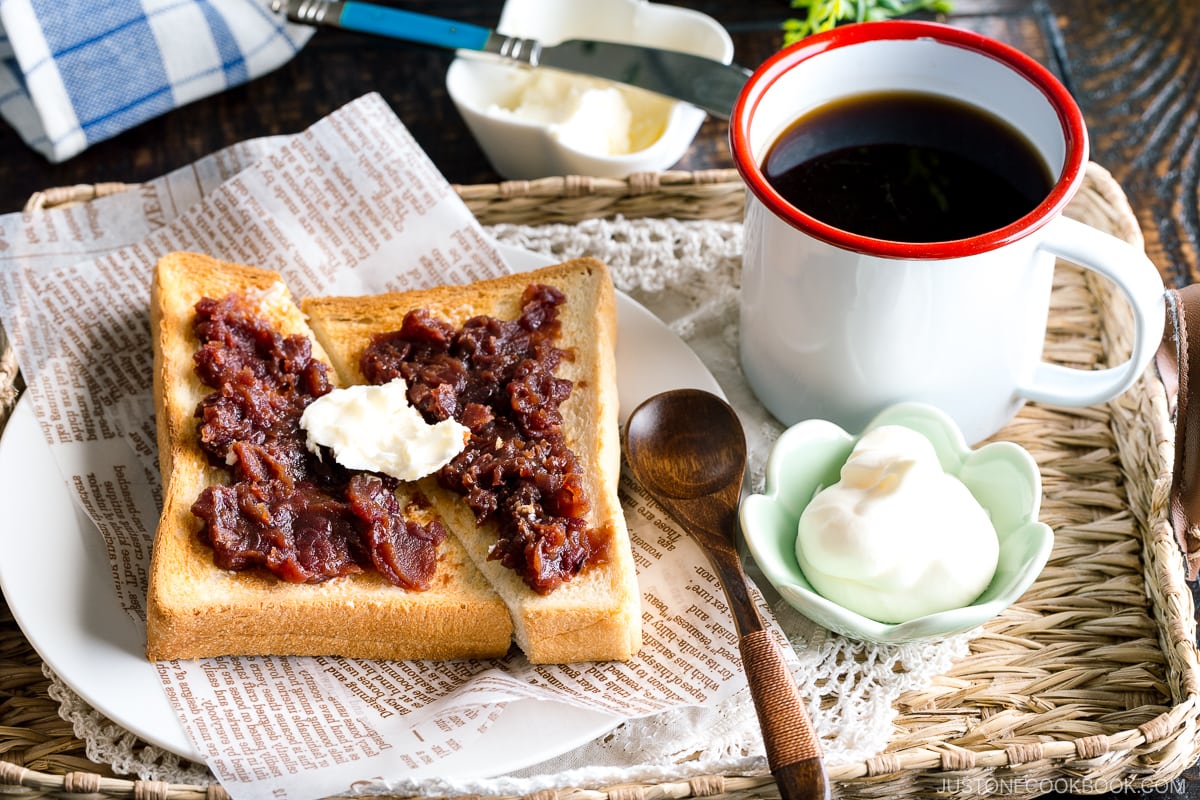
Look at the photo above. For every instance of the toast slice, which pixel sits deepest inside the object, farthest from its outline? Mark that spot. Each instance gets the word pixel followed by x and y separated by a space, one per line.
pixel 596 615
pixel 196 609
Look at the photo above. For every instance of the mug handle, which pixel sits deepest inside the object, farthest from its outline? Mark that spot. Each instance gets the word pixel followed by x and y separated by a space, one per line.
pixel 1137 277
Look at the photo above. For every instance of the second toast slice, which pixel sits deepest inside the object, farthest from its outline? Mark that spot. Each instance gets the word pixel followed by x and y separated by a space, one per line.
pixel 596 614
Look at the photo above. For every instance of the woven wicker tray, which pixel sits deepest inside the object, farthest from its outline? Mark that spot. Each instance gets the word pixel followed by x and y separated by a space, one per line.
pixel 1089 684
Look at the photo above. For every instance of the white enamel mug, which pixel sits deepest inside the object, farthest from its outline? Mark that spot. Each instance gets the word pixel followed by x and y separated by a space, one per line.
pixel 837 326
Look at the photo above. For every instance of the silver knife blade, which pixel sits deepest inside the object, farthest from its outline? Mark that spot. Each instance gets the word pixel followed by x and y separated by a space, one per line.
pixel 704 82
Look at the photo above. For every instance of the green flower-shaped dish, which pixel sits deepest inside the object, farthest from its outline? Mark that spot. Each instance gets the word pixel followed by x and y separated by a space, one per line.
pixel 1002 476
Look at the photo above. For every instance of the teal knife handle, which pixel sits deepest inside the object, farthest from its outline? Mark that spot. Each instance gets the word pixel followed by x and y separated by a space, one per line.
pixel 410 26
pixel 407 25
pixel 382 20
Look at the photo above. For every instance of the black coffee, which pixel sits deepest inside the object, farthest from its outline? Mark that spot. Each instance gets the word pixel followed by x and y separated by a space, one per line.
pixel 907 167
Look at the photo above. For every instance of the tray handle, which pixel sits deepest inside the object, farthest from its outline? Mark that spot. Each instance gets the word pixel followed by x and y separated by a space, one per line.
pixel 1178 362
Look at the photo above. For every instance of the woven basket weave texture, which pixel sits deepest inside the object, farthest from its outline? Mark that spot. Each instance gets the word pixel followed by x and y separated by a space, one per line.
pixel 1091 682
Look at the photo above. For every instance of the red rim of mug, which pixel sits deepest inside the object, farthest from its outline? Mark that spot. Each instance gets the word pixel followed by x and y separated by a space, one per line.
pixel 1069 115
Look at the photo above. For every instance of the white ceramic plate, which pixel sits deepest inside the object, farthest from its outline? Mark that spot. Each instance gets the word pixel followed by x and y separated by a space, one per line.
pixel 55 579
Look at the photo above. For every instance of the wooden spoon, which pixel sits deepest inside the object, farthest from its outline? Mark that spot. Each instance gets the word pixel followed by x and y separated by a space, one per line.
pixel 687 449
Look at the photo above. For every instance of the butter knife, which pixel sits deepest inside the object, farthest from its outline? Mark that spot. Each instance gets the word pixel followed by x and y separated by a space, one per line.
pixel 703 82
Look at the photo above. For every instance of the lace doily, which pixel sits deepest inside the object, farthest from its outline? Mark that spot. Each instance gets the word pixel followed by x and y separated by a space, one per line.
pixel 688 274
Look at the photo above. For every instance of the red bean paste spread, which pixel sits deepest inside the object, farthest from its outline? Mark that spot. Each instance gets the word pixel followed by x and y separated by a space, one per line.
pixel 304 518
pixel 497 378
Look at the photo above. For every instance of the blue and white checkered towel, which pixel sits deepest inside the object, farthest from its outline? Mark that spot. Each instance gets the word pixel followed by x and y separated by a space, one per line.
pixel 76 72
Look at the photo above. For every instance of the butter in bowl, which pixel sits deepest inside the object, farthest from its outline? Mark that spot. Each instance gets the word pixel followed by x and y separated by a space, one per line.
pixel 536 122
pixel 901 533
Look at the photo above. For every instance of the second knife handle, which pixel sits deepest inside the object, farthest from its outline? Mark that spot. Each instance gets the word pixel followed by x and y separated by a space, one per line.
pixel 392 23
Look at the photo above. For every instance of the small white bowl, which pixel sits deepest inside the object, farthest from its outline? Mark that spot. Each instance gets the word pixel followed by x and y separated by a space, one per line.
pixel 1002 476
pixel 524 150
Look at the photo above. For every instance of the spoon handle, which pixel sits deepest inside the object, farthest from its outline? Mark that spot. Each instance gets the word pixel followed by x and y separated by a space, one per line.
pixel 793 752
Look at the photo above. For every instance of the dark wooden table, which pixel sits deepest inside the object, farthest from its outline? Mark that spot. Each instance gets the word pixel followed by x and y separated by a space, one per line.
pixel 1133 65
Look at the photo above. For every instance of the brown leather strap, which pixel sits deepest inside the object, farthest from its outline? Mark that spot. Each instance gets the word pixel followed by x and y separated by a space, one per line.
pixel 1178 361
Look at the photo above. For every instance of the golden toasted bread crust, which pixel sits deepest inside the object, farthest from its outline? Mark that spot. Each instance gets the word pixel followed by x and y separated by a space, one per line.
pixel 596 615
pixel 195 609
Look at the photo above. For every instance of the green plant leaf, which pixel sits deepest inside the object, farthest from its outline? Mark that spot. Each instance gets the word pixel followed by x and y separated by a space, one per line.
pixel 821 15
